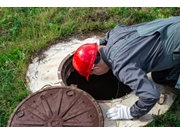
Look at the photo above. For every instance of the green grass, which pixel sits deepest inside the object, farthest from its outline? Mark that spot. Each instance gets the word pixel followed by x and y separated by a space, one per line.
pixel 170 119
pixel 26 31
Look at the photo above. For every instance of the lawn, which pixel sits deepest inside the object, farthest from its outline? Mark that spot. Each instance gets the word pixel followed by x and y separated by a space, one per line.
pixel 26 31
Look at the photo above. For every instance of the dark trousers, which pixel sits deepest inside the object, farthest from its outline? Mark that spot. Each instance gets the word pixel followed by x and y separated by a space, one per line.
pixel 160 77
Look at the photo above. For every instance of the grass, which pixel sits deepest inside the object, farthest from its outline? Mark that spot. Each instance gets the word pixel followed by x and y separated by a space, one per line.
pixel 171 118
pixel 26 31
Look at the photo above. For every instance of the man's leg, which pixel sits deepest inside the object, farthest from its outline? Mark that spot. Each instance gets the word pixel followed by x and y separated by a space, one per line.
pixel 160 77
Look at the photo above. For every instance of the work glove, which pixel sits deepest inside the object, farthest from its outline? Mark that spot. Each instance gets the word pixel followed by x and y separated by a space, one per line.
pixel 119 112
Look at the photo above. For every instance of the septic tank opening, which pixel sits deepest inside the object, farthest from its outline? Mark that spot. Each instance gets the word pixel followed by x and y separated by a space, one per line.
pixel 104 87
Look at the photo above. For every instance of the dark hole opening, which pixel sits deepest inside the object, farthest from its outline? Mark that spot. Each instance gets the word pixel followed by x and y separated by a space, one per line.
pixel 104 87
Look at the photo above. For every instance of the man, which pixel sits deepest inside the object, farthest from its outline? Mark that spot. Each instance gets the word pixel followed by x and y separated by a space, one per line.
pixel 131 52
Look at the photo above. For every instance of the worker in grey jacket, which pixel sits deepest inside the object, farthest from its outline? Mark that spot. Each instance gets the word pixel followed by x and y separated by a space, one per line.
pixel 131 52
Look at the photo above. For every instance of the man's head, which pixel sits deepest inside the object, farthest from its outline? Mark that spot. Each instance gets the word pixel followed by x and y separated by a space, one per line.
pixel 100 67
pixel 87 60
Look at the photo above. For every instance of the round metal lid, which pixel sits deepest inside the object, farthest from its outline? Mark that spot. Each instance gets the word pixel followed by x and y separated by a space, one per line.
pixel 65 106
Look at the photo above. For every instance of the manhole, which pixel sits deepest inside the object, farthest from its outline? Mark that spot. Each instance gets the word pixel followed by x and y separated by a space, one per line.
pixel 102 88
pixel 106 89
pixel 58 107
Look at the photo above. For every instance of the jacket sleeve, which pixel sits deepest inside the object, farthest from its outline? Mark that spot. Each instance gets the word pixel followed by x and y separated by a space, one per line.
pixel 146 91
pixel 104 40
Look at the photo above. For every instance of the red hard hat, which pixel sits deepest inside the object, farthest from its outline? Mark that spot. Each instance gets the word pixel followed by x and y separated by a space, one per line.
pixel 84 58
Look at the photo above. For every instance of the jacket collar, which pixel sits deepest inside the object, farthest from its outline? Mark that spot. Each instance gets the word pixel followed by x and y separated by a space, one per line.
pixel 105 58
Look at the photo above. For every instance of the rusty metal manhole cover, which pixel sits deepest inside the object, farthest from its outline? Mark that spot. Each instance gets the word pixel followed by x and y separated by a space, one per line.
pixel 58 107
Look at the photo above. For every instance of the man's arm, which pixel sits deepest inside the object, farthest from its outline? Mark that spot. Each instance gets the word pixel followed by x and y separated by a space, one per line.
pixel 147 92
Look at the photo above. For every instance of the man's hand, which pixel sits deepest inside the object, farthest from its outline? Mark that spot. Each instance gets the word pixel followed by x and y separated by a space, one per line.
pixel 119 112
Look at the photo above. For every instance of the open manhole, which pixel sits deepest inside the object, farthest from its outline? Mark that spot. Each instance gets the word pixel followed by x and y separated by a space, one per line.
pixel 106 90
pixel 102 88
pixel 58 107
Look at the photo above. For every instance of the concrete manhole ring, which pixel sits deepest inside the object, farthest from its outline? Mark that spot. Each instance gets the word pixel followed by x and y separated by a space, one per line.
pixel 58 107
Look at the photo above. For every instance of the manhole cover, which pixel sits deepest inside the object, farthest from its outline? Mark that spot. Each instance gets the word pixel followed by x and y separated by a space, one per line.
pixel 58 107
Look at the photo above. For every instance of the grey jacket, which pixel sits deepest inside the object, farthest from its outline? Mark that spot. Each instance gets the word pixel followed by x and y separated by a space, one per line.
pixel 152 50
